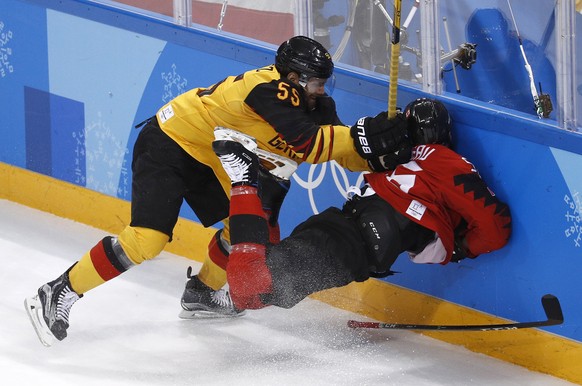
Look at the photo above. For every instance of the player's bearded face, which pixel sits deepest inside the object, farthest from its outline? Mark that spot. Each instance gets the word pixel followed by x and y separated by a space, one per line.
pixel 314 87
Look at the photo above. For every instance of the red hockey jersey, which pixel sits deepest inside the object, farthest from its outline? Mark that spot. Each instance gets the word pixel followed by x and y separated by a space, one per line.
pixel 439 189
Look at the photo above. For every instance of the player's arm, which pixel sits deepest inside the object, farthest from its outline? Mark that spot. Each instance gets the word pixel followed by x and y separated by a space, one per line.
pixel 281 104
pixel 373 143
pixel 485 223
pixel 334 143
pixel 325 112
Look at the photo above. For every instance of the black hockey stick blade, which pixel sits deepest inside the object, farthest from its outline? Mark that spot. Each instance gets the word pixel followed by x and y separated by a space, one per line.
pixel 550 303
pixel 552 308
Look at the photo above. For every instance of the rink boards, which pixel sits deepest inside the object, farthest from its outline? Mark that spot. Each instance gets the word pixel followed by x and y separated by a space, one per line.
pixel 69 101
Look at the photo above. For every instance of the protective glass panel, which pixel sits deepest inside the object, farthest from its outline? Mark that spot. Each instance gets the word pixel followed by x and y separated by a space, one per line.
pixel 163 7
pixel 518 54
pixel 515 44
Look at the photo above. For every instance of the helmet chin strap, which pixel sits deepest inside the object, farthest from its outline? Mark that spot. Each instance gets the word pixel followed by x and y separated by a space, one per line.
pixel 303 80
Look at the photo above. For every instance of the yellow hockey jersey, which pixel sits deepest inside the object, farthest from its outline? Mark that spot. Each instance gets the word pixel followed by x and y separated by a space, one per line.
pixel 260 104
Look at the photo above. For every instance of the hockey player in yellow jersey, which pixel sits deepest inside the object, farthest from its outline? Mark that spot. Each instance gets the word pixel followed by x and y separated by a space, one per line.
pixel 284 107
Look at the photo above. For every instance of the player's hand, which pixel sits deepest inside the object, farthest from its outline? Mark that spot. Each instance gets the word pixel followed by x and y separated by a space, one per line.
pixel 461 251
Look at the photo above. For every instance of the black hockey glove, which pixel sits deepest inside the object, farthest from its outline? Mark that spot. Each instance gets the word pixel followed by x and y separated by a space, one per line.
pixel 460 252
pixel 272 193
pixel 374 137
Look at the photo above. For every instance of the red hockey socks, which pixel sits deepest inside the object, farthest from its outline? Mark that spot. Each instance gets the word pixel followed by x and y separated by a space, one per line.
pixel 248 275
pixel 216 251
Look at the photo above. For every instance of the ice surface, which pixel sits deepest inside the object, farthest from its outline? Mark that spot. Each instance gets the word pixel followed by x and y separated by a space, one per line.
pixel 126 332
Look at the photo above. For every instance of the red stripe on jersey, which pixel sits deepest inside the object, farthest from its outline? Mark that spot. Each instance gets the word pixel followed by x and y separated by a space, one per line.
pixel 319 149
pixel 101 262
pixel 303 149
pixel 331 137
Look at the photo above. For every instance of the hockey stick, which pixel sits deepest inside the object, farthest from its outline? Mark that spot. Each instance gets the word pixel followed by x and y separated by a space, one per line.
pixel 542 102
pixel 394 60
pixel 550 303
pixel 454 67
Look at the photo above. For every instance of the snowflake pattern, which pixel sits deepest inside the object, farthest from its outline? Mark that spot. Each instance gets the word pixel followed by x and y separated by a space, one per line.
pixel 109 155
pixel 79 175
pixel 175 84
pixel 573 218
pixel 5 51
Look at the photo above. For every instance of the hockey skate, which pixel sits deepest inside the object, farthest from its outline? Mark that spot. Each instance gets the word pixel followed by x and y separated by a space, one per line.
pixel 277 165
pixel 49 309
pixel 236 152
pixel 200 301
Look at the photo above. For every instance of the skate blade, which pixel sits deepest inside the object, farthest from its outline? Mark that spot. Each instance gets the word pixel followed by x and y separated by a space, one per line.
pixel 201 314
pixel 34 311
pixel 223 133
pixel 277 165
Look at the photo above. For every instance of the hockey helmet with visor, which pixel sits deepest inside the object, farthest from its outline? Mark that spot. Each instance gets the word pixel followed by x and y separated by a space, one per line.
pixel 429 122
pixel 310 60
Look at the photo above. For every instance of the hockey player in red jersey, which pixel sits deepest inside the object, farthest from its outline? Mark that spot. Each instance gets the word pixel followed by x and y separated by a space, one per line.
pixel 435 207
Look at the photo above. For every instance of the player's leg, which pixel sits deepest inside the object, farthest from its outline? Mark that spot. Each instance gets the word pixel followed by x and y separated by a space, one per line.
pixel 205 294
pixel 325 251
pixel 247 274
pixel 155 208
pixel 272 193
pixel 274 178
pixel 211 300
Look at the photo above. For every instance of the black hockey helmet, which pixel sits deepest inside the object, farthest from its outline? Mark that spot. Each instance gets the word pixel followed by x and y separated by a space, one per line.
pixel 428 122
pixel 305 56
